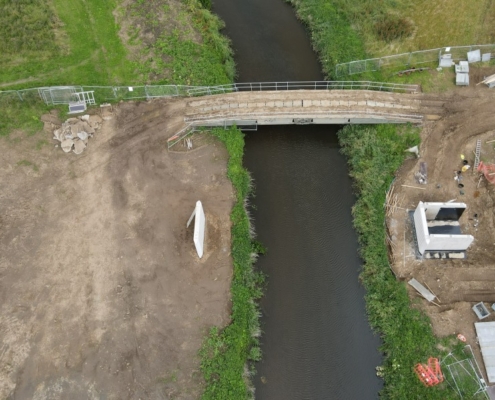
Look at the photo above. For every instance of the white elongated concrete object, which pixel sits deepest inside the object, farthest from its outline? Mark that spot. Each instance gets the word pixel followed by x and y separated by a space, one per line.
pixel 486 337
pixel 199 227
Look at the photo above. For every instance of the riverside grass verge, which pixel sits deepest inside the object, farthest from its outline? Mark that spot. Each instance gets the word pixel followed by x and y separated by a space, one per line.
pixel 226 355
pixel 343 31
pixel 177 42
pixel 374 153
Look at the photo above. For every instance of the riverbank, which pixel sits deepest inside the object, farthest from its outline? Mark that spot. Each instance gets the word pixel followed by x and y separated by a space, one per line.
pixel 343 31
pixel 227 355
pixel 374 153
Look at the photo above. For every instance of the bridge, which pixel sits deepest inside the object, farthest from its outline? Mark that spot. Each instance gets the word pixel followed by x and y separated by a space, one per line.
pixel 250 105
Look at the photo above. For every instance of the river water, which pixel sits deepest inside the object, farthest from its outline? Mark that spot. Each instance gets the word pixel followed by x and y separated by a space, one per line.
pixel 316 340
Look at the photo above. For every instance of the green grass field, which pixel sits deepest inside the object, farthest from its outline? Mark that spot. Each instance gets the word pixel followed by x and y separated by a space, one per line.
pixel 76 43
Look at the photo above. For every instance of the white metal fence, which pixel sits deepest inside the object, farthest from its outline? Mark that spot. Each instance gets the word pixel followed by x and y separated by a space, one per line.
pixel 316 85
pixel 411 59
pixel 65 94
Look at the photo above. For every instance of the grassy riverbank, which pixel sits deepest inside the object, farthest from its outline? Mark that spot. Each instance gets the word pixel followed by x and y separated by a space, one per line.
pixel 343 31
pixel 374 153
pixel 225 355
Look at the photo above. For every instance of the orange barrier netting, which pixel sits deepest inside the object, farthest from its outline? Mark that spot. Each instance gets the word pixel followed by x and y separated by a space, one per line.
pixel 434 365
pixel 431 374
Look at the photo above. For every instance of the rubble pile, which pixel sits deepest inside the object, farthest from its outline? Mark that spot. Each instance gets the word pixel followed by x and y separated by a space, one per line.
pixel 75 132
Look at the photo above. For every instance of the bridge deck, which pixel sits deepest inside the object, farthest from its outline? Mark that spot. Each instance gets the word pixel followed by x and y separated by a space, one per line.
pixel 310 106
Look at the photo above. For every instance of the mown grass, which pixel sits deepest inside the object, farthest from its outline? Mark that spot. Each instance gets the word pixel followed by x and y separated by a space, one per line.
pixel 78 44
pixel 225 354
pixel 374 153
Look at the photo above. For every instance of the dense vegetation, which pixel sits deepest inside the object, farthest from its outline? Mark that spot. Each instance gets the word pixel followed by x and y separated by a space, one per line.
pixel 332 36
pixel 179 42
pixel 26 26
pixel 374 153
pixel 225 354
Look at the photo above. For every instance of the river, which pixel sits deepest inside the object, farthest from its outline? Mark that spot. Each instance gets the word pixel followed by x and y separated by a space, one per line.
pixel 316 342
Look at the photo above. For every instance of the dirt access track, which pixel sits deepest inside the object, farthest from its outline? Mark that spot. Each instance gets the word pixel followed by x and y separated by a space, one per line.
pixel 459 284
pixel 102 295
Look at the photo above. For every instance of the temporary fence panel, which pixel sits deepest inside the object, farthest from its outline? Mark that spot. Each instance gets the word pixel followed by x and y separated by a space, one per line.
pixel 58 94
pixel 129 92
pixel 153 91
pixel 102 93
pixel 409 59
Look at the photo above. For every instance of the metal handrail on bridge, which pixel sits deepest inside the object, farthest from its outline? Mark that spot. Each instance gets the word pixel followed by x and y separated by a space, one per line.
pixel 315 85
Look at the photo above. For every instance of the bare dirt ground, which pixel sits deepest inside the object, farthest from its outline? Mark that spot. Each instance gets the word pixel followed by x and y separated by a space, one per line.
pixel 458 284
pixel 102 295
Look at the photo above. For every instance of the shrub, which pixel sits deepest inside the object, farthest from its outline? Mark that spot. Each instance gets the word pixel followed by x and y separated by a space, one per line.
pixel 393 27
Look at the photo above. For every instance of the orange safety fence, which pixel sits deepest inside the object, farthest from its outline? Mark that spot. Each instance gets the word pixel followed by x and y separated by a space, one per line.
pixel 430 374
pixel 434 366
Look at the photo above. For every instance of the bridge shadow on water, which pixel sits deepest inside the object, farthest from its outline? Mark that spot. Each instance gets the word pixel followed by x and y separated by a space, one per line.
pixel 316 340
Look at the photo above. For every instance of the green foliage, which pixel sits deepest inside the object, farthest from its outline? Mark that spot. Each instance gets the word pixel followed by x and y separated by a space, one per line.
pixel 224 355
pixel 374 153
pixel 392 27
pixel 191 63
pixel 18 114
pixel 206 4
pixel 26 25
pixel 331 33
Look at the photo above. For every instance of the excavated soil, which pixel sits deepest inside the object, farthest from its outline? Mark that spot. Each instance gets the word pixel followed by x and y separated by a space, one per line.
pixel 458 284
pixel 102 295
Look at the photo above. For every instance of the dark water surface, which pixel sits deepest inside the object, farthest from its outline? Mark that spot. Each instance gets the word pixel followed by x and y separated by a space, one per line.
pixel 316 340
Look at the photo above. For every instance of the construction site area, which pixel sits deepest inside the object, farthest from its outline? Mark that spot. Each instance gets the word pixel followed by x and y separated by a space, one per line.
pixel 134 327
pixel 445 173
